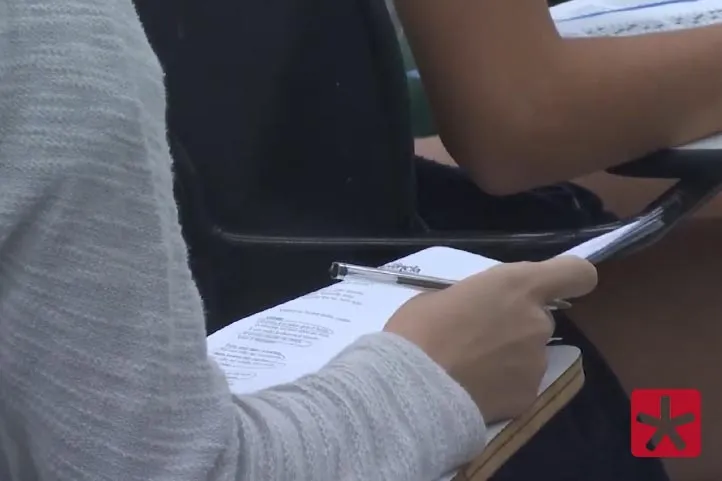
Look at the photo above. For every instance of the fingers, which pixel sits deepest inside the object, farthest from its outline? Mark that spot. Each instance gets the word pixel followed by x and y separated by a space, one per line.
pixel 564 277
pixel 549 324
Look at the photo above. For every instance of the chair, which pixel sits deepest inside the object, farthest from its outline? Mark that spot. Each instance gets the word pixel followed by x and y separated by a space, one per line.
pixel 237 268
pixel 698 174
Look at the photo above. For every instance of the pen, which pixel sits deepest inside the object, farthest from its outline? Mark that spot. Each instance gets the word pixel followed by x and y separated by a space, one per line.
pixel 340 271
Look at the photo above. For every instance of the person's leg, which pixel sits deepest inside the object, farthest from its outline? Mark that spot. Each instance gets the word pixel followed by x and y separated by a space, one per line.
pixel 589 440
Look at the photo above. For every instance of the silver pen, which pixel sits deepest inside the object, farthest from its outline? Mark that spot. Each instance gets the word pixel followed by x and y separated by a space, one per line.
pixel 340 271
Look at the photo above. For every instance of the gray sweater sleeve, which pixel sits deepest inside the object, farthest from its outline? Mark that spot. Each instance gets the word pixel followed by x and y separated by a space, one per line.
pixel 104 373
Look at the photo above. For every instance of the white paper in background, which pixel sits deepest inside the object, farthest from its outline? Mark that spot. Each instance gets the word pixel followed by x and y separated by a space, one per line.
pixel 580 8
pixel 651 18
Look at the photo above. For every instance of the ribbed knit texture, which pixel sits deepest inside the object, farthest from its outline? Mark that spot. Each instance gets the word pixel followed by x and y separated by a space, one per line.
pixel 104 373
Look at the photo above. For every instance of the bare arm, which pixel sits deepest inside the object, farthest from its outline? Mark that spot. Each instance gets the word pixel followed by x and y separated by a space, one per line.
pixel 518 106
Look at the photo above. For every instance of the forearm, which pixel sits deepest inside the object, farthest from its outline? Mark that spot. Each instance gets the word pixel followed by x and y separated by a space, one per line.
pixel 104 369
pixel 105 374
pixel 615 99
pixel 518 106
pixel 577 106
pixel 601 102
pixel 381 410
pixel 109 393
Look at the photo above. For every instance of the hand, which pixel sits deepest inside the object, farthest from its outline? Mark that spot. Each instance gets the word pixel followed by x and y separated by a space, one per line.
pixel 490 331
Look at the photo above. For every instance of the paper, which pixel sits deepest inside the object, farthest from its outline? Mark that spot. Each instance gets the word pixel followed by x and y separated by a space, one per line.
pixel 576 9
pixel 288 341
pixel 587 249
pixel 597 18
pixel 285 342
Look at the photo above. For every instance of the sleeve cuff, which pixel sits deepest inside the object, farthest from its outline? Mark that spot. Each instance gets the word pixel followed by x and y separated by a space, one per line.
pixel 436 412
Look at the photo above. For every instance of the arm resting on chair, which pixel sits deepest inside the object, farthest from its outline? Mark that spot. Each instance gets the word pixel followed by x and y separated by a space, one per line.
pixel 518 106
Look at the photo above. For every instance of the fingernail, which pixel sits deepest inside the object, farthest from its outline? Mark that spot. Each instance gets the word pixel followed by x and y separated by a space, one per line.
pixel 560 304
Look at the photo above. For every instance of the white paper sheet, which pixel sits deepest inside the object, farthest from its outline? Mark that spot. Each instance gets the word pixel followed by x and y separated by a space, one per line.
pixel 592 246
pixel 576 9
pixel 285 342
pixel 594 18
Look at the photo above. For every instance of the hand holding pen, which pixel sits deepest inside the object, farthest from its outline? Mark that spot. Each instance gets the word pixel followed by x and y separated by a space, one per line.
pixel 340 271
pixel 489 332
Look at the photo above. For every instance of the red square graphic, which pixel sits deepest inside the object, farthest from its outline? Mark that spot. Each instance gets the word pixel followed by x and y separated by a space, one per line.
pixel 666 423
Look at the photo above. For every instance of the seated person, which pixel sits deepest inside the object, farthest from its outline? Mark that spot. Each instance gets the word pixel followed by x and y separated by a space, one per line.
pixel 104 372
pixel 512 102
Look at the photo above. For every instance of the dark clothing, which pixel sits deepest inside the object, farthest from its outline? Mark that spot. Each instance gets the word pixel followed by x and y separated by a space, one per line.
pixel 447 200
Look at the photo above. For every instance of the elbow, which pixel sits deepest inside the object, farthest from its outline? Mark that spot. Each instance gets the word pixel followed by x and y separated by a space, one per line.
pixel 504 180
pixel 507 160
pixel 514 139
pixel 499 185
pixel 522 138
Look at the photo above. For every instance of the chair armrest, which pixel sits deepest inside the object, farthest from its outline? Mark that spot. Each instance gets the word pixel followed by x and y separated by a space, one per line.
pixel 698 168
pixel 698 159
pixel 676 204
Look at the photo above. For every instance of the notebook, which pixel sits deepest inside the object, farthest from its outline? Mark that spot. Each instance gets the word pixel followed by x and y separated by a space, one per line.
pixel 299 337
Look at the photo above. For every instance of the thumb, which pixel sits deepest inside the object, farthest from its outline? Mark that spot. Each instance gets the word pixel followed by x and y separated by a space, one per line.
pixel 563 277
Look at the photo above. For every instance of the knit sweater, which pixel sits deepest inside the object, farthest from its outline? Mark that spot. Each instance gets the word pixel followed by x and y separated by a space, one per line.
pixel 104 372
